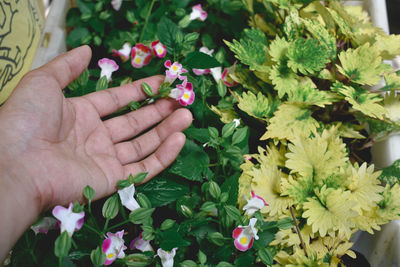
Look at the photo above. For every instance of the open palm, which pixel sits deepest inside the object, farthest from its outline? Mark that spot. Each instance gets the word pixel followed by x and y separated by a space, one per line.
pixel 60 145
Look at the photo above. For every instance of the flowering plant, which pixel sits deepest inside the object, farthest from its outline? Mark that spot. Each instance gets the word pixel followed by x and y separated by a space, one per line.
pixel 275 169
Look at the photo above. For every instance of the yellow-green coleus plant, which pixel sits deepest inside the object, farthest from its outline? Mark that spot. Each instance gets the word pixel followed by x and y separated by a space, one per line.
pixel 309 71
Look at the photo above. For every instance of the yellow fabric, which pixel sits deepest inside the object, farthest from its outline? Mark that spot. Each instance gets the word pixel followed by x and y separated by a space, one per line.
pixel 21 24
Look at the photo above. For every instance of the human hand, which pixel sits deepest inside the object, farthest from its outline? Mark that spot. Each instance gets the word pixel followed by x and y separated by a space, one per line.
pixel 52 147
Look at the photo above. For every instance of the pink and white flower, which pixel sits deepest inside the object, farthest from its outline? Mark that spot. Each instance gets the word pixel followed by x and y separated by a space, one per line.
pixel 141 55
pixel 116 4
pixel 113 247
pixel 123 53
pixel 254 204
pixel 244 235
pixel 108 66
pixel 69 220
pixel 127 197
pixel 199 72
pixel 226 78
pixel 198 13
pixel 141 244
pixel 167 258
pixel 159 49
pixel 173 71
pixel 44 225
pixel 183 93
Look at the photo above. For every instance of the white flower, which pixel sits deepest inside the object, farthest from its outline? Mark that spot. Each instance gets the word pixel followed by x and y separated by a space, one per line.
pixel 167 258
pixel 141 244
pixel 244 235
pixel 116 4
pixel 108 66
pixel 237 122
pixel 198 13
pixel 113 247
pixel 254 204
pixel 127 199
pixel 70 221
pixel 44 225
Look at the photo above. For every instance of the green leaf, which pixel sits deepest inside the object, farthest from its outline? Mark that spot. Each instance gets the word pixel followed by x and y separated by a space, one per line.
pixel 168 223
pixel 102 84
pixel 228 129
pixel 319 32
pixel 147 89
pixel 213 132
pixel 307 56
pixel 143 200
pixel 214 189
pixel 140 215
pixel 188 263
pixel 264 238
pixel 140 177
pixel 75 38
pixel 233 213
pixel 231 186
pixel 88 192
pixel 245 259
pixel 198 134
pixel 239 135
pixel 285 223
pixel 200 60
pixel 167 32
pixel 266 256
pixel 161 191
pixel 85 7
pixel 172 238
pixel 308 95
pixel 62 245
pixel 202 257
pixel 191 163
pixel 362 65
pixel 208 206
pixel 217 238
pixel 111 207
pixel 125 183
pixel 224 264
pixel 284 79
pixel 97 257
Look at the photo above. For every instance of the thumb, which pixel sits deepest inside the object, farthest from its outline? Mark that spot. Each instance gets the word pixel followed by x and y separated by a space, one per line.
pixel 63 69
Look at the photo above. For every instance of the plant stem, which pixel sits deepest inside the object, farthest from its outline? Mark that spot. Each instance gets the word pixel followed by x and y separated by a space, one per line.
pixel 106 225
pixel 298 231
pixel 92 229
pixel 117 225
pixel 146 20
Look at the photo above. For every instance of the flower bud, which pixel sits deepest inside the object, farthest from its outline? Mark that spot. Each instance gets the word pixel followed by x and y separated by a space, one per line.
pixel 168 223
pixel 214 190
pixel 186 211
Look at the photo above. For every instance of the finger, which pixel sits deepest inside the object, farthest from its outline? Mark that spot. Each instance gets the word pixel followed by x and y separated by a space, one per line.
pixel 127 126
pixel 65 68
pixel 112 99
pixel 160 159
pixel 143 145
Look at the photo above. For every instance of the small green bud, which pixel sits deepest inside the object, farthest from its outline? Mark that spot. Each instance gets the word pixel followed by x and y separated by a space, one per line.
pixel 143 201
pixel 98 6
pixel 104 15
pixel 62 245
pixel 98 257
pixel 186 211
pixel 102 84
pixel 191 37
pixel 88 192
pixel 111 207
pixel 224 264
pixel 168 223
pixel 184 22
pixel 137 260
pixel 213 132
pixel 86 16
pixel 97 40
pixel 228 129
pixel 214 190
pixel 208 206
pixel 147 89
pixel 87 39
pixel 188 263
pixel 134 105
pixel 140 215
pixel 179 37
pixel 220 56
pixel 221 88
pixel 180 12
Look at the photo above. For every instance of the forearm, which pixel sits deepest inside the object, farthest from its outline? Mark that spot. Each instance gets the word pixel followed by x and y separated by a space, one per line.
pixel 17 208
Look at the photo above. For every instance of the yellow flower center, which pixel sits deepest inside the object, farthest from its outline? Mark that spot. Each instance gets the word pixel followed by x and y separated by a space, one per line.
pixel 160 51
pixel 110 255
pixel 186 96
pixel 174 68
pixel 243 240
pixel 138 60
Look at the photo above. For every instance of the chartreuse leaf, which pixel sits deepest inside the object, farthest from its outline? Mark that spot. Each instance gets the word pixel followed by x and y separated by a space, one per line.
pixel 284 79
pixel 308 95
pixel 392 81
pixel 289 121
pixel 344 26
pixel 320 33
pixel 361 100
pixel 387 45
pixel 293 26
pixel 307 56
pixel 251 50
pixel 278 49
pixel 392 105
pixel 362 65
pixel 257 106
